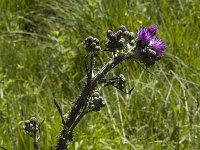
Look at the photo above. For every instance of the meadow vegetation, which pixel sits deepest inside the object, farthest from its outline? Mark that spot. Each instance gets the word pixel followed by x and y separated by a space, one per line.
pixel 42 57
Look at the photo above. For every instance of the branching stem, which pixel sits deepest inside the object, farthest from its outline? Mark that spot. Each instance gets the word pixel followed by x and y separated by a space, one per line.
pixel 92 82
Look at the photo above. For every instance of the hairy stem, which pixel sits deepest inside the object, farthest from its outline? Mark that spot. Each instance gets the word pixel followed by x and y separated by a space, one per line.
pixel 81 99
pixel 77 120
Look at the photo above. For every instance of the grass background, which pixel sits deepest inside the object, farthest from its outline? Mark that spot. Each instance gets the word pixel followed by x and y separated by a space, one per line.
pixel 42 58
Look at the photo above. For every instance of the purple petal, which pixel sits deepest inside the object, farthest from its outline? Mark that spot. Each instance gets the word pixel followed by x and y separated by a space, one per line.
pixel 152 29
pixel 158 46
pixel 143 36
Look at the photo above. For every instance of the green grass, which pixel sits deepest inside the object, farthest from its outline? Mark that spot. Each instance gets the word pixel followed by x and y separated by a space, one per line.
pixel 42 58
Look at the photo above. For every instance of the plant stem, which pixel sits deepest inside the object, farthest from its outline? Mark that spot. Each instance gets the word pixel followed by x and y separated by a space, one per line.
pixel 81 99
pixel 77 120
pixel 36 147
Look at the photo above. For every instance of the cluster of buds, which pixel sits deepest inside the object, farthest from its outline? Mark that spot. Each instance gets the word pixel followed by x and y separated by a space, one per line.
pixel 120 40
pixel 95 102
pixel 121 81
pixel 31 126
pixel 92 44
pixel 144 47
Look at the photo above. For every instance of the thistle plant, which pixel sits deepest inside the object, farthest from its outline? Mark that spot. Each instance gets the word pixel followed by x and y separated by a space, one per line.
pixel 122 45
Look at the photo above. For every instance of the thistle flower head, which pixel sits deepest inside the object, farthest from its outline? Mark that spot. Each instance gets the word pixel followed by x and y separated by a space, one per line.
pixel 158 46
pixel 150 48
pixel 152 29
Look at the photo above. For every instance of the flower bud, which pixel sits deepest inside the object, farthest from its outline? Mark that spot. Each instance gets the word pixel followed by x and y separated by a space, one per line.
pixel 33 120
pixel 121 43
pixel 118 34
pixel 110 45
pixel 126 34
pixel 32 128
pixel 123 28
pixel 96 41
pixel 132 42
pixel 111 35
pixel 99 102
pixel 131 36
pixel 121 81
pixel 92 46
pixel 89 40
pixel 27 123
pixel 96 94
pixel 97 48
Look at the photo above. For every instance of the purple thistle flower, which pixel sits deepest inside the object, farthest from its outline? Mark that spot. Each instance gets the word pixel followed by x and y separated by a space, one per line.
pixel 152 29
pixel 158 46
pixel 143 36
